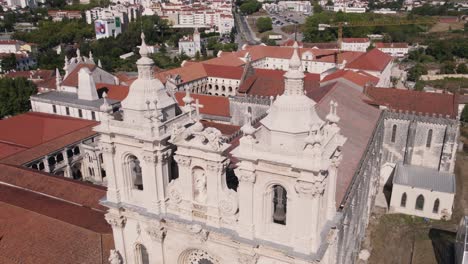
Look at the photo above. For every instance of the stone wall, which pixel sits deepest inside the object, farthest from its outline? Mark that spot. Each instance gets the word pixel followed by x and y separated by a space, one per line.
pixel 240 104
pixel 358 201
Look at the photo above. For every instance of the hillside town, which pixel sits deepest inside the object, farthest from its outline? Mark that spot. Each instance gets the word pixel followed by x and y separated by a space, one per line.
pixel 233 132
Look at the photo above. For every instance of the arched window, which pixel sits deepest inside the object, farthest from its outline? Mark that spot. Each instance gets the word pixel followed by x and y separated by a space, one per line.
pixel 141 254
pixel 279 204
pixel 394 133
pixel 403 200
pixel 135 172
pixel 76 150
pixel 429 138
pixel 420 202
pixel 59 157
pixel 435 209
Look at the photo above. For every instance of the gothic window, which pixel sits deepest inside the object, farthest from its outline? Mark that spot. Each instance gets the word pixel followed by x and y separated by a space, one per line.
pixel 394 133
pixel 141 254
pixel 279 204
pixel 67 110
pixel 76 150
pixel 80 113
pixel 54 108
pixel 403 200
pixel 59 157
pixel 230 89
pixel 435 209
pixel 135 172
pixel 232 181
pixel 419 202
pixel 41 165
pixel 34 166
pixel 69 153
pixel 429 138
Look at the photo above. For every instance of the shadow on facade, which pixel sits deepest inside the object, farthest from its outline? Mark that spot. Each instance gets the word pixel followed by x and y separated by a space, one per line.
pixel 443 243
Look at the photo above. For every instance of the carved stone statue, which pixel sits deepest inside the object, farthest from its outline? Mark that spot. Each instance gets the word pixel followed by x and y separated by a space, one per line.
pixel 114 257
pixel 199 182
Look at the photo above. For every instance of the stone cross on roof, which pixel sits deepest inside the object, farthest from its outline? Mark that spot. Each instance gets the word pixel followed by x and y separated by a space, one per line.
pixel 197 108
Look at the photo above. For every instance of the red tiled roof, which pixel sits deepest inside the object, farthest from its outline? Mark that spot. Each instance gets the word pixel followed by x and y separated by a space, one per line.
pixel 10 42
pixel 359 78
pixel 212 105
pixel 357 123
pixel 84 194
pixel 271 83
pixel 39 229
pixel 227 72
pixel 8 149
pixel 114 92
pixel 406 100
pixel 374 60
pixel 383 45
pixel 72 78
pixel 31 129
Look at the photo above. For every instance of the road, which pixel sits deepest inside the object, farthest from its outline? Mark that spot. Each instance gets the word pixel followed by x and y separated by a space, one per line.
pixel 244 34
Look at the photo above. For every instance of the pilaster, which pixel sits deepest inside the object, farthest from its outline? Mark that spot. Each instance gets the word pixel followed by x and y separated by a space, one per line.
pixel 245 190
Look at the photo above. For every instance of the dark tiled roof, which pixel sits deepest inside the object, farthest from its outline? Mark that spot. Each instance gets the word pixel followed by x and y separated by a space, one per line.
pixel 419 102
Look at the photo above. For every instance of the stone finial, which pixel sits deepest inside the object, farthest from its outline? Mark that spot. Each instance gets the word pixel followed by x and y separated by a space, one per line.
pixel 105 107
pixel 143 48
pixel 58 78
pixel 332 117
pixel 187 98
pixel 78 53
pixel 114 257
pixel 247 128
pixel 91 56
pixel 99 63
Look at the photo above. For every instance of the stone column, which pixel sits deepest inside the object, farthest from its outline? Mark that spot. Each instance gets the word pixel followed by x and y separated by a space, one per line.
pixel 118 225
pixel 157 233
pixel 46 164
pixel 245 191
pixel 307 215
pixel 213 176
pixel 68 171
pixel 113 193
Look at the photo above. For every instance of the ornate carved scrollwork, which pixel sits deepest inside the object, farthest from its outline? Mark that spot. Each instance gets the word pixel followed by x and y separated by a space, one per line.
pixel 150 158
pixel 182 160
pixel 309 189
pixel 247 176
pixel 229 204
pixel 116 220
pixel 107 148
pixel 174 193
pixel 200 233
pixel 156 232
pixel 114 257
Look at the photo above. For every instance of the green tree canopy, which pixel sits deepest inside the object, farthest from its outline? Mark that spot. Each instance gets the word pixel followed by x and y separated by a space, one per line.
pixel 416 71
pixel 9 63
pixel 264 24
pixel 250 6
pixel 14 95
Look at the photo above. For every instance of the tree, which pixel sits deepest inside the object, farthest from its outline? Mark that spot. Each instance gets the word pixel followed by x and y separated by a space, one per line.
pixel 250 7
pixel 448 67
pixel 14 95
pixel 9 63
pixel 464 114
pixel 416 71
pixel 462 69
pixel 264 24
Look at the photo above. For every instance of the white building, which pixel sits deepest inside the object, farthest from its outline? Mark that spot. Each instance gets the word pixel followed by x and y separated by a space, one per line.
pixel 295 6
pixel 190 45
pixel 105 28
pixel 397 50
pixel 21 3
pixel 10 46
pixel 76 94
pixel 355 44
pixel 126 14
pixel 186 212
pixel 422 191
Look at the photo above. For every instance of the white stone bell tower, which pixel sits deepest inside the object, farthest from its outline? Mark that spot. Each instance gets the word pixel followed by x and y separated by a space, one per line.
pixel 137 157
pixel 287 172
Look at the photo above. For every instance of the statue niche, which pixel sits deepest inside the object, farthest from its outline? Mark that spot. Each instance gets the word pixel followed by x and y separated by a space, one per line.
pixel 199 185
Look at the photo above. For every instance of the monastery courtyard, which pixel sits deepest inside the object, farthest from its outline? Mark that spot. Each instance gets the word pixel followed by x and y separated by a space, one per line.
pixel 401 239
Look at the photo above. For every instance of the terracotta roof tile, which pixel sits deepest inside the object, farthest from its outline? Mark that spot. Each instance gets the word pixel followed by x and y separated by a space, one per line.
pixel 84 194
pixel 212 105
pixel 406 100
pixel 355 40
pixel 72 78
pixel 31 129
pixel 359 78
pixel 374 60
pixel 114 92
